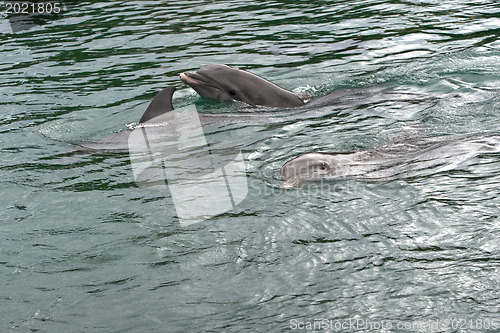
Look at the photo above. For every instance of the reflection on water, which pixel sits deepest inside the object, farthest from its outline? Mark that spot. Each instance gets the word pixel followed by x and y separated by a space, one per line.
pixel 85 249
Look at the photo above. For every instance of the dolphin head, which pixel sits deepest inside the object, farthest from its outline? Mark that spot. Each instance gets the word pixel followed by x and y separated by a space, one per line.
pixel 231 83
pixel 317 166
pixel 310 166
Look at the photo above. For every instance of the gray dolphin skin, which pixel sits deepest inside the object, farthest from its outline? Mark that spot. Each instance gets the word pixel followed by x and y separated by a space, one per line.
pixel 159 105
pixel 400 158
pixel 231 83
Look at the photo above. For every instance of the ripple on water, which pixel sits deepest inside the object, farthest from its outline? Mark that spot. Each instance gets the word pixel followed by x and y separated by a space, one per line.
pixel 85 249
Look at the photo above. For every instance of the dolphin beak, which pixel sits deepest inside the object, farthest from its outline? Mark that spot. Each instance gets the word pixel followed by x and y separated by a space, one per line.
pixel 186 77
pixel 191 78
pixel 201 85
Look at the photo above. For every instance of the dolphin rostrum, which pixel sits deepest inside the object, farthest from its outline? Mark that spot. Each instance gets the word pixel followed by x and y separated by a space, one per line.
pixel 231 83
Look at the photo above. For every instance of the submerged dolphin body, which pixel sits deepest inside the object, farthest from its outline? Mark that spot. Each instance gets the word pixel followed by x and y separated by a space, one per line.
pixel 400 158
pixel 157 117
pixel 231 83
pixel 160 105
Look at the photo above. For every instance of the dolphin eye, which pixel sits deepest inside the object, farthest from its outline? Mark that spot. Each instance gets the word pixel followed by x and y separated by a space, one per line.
pixel 232 92
pixel 323 166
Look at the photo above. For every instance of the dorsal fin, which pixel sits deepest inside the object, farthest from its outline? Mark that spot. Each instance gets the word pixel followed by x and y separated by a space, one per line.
pixel 161 104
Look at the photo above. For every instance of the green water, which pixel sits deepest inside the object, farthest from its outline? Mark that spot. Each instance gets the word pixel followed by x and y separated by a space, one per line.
pixel 84 249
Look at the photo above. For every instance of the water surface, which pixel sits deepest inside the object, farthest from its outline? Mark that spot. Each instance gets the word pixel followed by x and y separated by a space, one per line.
pixel 84 249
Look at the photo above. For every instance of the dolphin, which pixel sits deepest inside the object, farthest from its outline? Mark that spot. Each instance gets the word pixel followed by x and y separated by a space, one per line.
pixel 231 83
pixel 400 158
pixel 225 82
pixel 157 116
pixel 160 105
